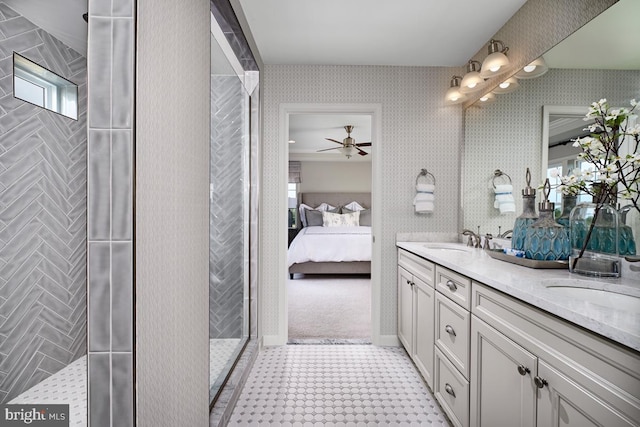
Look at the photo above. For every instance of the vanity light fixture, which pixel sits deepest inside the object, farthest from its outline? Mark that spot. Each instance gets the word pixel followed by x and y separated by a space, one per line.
pixel 497 61
pixel 533 70
pixel 487 99
pixel 472 81
pixel 507 86
pixel 453 95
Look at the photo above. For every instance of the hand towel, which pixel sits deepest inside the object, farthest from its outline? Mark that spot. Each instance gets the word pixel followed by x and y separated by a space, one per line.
pixel 424 199
pixel 504 198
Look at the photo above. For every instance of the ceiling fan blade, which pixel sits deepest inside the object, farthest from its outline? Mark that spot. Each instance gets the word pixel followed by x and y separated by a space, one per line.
pixel 333 140
pixel 363 144
pixel 361 152
pixel 327 149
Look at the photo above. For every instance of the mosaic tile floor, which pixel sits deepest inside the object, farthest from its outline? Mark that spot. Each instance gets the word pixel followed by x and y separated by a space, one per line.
pixel 336 385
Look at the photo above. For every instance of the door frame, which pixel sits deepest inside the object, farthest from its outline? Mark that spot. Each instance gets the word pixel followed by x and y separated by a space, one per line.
pixel 375 111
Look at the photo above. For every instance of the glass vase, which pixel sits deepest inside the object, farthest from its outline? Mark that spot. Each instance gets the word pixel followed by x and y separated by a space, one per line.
pixel 568 203
pixel 546 240
pixel 595 237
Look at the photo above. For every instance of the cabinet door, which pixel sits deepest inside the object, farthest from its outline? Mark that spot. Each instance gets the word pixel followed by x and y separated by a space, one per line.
pixel 563 402
pixel 502 387
pixel 423 348
pixel 405 309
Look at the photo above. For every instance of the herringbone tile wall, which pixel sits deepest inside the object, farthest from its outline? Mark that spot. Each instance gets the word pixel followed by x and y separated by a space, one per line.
pixel 42 216
pixel 226 228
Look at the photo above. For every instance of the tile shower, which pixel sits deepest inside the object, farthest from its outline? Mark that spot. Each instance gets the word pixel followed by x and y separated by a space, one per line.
pixel 43 191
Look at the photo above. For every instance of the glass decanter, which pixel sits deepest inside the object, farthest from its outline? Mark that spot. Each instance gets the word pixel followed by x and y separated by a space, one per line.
pixel 546 240
pixel 528 216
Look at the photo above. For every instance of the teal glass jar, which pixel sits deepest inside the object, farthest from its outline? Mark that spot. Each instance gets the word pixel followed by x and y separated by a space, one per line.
pixel 568 203
pixel 528 216
pixel 546 240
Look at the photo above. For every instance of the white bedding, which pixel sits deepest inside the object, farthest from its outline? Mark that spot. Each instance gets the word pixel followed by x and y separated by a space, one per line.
pixel 331 244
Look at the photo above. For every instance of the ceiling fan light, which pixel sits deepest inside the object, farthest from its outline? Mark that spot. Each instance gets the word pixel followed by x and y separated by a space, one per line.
pixel 535 69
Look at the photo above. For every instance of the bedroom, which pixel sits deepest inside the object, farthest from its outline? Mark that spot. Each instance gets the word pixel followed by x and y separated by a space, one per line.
pixel 329 267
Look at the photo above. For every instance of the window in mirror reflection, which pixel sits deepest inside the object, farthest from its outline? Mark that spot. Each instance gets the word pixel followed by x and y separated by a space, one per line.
pixel 37 85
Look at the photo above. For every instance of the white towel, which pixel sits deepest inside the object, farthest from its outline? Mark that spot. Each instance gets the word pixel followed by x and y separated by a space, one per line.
pixel 424 199
pixel 504 198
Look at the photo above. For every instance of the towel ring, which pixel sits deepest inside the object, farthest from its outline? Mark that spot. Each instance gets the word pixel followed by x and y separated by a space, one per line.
pixel 499 174
pixel 427 175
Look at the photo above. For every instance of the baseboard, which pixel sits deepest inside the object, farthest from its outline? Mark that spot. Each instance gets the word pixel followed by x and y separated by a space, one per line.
pixel 273 340
pixel 387 341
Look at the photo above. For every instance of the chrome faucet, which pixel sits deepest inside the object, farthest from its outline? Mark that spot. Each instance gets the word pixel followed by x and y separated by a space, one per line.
pixel 474 240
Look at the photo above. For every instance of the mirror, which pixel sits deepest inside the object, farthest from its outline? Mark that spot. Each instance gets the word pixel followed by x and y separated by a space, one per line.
pixel 507 134
pixel 229 212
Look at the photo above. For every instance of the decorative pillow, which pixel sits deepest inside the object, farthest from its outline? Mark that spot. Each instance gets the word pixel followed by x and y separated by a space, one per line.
pixel 365 216
pixel 330 219
pixel 314 216
pixel 303 208
pixel 354 206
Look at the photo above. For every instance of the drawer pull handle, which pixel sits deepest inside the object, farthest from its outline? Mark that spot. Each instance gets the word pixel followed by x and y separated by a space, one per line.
pixel 450 330
pixel 449 390
pixel 540 382
pixel 408 282
pixel 452 286
pixel 523 370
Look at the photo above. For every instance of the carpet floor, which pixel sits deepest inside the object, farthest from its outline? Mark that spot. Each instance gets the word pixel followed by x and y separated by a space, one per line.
pixel 329 307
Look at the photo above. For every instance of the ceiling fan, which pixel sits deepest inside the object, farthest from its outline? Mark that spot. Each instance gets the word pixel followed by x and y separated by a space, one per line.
pixel 348 144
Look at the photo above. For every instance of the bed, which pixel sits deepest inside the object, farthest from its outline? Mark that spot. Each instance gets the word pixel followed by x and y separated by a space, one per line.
pixel 332 250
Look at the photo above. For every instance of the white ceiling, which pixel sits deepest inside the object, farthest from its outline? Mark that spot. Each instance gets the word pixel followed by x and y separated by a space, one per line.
pixel 369 32
pixel 60 18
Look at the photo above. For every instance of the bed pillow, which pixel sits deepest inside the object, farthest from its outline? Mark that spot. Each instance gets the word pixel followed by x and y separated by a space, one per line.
pixel 303 208
pixel 330 219
pixel 365 216
pixel 314 216
pixel 354 206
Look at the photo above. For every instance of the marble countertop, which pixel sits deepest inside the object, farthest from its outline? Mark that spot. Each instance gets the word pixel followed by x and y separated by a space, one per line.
pixel 612 316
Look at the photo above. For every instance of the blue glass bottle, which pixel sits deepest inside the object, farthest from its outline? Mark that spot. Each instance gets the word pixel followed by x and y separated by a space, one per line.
pixel 546 240
pixel 568 203
pixel 528 216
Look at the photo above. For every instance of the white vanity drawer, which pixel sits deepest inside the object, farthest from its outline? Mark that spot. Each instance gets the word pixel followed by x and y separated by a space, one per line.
pixel 452 335
pixel 455 286
pixel 419 267
pixel 452 390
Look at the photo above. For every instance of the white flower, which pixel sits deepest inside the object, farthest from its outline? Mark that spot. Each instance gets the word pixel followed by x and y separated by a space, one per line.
pixel 554 173
pixel 633 103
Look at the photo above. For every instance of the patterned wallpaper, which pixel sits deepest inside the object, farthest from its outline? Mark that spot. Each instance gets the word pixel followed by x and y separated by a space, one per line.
pixel 43 191
pixel 418 131
pixel 507 135
pixel 172 212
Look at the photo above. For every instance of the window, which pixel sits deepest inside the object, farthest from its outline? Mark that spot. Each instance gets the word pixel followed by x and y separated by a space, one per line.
pixel 39 86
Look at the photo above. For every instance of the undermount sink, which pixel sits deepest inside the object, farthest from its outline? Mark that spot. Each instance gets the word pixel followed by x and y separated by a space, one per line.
pixel 446 247
pixel 600 293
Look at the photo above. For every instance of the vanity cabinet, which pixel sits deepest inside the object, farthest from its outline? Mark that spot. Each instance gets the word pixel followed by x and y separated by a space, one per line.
pixel 415 310
pixel 452 341
pixel 533 369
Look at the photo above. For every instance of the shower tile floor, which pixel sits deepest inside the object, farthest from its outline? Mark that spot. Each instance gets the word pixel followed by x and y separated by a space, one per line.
pixel 336 385
pixel 220 351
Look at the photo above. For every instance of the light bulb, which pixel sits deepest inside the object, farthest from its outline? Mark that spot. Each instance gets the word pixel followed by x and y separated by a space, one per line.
pixel 529 68
pixel 504 85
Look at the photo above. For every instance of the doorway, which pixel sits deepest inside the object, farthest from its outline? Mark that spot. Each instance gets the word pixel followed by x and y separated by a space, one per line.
pixel 373 111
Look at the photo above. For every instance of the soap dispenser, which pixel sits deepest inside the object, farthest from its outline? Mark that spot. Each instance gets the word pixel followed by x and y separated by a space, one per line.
pixel 546 240
pixel 528 215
